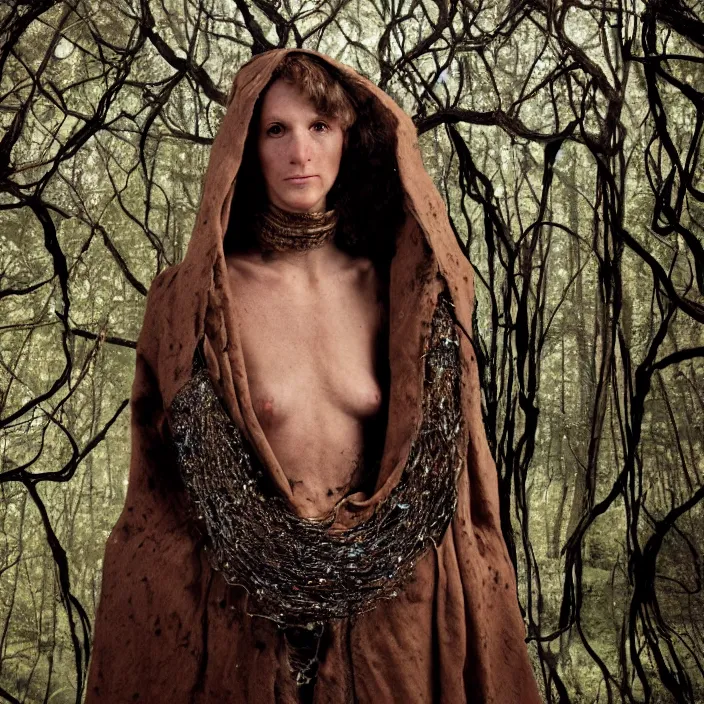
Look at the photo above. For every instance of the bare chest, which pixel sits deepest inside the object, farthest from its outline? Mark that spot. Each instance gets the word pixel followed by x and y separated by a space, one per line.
pixel 309 348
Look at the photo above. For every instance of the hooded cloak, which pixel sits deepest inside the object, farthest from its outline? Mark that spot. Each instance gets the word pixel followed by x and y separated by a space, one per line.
pixel 168 627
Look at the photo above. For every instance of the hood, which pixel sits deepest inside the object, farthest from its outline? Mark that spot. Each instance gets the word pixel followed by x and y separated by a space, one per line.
pixel 426 261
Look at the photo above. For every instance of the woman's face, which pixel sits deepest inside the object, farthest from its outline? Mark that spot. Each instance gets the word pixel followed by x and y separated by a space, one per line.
pixel 294 140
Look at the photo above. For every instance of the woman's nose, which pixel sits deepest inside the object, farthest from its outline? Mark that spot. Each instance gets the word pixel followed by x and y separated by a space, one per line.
pixel 299 148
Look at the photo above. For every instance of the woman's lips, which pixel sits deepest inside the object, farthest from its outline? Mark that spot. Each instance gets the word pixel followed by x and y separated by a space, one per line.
pixel 300 179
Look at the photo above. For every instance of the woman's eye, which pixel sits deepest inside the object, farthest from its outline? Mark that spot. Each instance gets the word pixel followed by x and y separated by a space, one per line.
pixel 275 130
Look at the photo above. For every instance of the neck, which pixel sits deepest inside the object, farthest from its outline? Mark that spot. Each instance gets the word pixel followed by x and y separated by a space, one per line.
pixel 283 231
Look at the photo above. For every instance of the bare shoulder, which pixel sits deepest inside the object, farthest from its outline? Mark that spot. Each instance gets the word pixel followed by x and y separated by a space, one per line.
pixel 239 260
pixel 371 278
pixel 370 286
pixel 247 267
pixel 363 268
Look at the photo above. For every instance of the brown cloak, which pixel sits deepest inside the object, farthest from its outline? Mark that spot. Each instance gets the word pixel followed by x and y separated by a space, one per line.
pixel 168 628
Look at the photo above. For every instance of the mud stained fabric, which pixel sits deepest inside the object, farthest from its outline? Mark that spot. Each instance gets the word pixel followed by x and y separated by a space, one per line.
pixel 168 629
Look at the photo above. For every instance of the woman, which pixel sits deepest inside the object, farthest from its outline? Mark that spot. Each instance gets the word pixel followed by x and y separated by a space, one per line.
pixel 308 299
pixel 312 510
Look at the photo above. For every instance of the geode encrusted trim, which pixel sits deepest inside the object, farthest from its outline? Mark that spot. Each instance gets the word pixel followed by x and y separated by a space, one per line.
pixel 300 571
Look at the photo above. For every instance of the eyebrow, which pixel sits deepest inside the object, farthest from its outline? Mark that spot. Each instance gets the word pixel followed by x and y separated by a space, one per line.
pixel 277 118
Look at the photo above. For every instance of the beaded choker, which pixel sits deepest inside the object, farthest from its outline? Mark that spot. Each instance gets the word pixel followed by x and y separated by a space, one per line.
pixel 281 230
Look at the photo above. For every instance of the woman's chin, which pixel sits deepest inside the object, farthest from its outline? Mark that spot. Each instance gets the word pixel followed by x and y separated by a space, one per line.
pixel 299 205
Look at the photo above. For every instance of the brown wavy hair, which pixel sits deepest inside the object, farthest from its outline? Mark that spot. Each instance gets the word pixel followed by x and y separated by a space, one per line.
pixel 367 193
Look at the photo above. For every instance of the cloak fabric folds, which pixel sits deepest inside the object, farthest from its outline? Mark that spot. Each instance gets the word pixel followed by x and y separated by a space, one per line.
pixel 168 628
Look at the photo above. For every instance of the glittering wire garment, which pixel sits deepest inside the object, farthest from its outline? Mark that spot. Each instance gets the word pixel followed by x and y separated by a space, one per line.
pixel 298 571
pixel 282 230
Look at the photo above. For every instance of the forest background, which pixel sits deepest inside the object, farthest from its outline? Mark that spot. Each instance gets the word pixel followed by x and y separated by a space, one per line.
pixel 566 138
